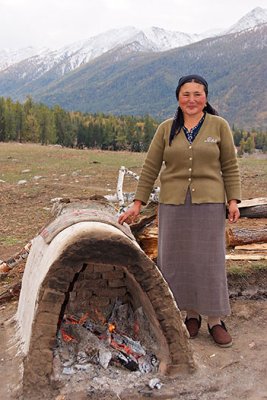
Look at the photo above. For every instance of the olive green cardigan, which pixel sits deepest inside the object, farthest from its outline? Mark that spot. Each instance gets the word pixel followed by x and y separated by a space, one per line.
pixel 208 167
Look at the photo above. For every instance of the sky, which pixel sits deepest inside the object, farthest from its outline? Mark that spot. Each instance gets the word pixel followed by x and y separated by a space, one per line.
pixel 55 23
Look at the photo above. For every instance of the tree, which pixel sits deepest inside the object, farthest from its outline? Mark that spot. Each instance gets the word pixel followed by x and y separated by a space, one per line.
pixel 32 129
pixel 2 120
pixel 250 145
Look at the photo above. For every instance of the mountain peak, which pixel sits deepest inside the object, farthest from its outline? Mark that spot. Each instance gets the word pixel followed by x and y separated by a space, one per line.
pixel 255 17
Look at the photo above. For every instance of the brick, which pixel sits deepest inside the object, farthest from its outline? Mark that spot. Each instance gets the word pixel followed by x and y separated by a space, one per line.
pixel 158 292
pixel 148 284
pixel 47 318
pixel 53 296
pixel 115 283
pixel 89 269
pixel 113 275
pixel 99 301
pixel 103 267
pixel 85 294
pixel 60 285
pixel 44 330
pixel 116 292
pixel 48 306
pixel 97 284
pixel 93 275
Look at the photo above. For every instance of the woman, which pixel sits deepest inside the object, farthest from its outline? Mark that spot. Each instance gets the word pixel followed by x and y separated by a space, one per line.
pixel 199 173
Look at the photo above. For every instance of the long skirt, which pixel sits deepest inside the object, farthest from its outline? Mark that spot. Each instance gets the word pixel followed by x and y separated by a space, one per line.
pixel 191 256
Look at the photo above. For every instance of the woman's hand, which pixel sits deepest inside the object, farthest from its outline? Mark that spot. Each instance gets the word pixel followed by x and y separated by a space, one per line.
pixel 130 215
pixel 233 211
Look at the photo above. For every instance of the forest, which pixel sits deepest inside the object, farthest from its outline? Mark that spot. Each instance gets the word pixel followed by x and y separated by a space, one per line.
pixel 37 123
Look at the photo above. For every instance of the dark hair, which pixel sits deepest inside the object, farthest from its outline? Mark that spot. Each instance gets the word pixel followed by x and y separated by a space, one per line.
pixel 178 119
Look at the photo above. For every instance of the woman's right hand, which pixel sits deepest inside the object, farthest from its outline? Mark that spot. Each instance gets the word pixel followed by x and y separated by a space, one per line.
pixel 131 214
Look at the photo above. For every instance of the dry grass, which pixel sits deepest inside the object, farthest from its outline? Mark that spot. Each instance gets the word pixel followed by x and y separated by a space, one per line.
pixel 63 172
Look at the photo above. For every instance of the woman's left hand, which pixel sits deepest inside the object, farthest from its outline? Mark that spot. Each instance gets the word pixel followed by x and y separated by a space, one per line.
pixel 233 211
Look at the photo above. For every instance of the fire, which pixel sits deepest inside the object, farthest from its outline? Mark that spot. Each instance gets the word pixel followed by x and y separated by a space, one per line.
pixel 123 347
pixel 66 337
pixel 111 327
pixel 72 320
pixel 83 318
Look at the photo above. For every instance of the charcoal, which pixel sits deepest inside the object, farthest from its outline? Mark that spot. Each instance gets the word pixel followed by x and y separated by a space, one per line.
pixel 147 363
pixel 134 345
pixel 127 362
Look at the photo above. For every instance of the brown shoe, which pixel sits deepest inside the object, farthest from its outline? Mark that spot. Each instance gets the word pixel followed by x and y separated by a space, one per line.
pixel 193 325
pixel 220 335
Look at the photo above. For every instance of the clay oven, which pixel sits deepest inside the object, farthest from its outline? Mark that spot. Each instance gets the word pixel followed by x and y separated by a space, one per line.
pixel 85 260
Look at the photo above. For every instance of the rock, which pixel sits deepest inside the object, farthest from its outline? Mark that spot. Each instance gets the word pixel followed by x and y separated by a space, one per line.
pixel 4 268
pixel 22 182
pixel 104 358
pixel 154 383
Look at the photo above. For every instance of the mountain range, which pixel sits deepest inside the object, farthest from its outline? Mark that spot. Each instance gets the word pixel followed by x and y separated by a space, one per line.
pixel 132 71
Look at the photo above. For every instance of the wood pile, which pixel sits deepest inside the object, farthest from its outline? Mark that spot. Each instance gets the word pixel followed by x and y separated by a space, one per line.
pixel 251 241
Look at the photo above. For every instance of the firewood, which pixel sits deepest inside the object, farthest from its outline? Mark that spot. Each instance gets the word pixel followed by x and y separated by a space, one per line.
pixel 253 208
pixel 12 292
pixel 253 247
pixel 246 257
pixel 235 236
pixel 148 239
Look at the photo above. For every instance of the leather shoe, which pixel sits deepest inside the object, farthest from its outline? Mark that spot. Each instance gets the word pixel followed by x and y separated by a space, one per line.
pixel 193 325
pixel 220 335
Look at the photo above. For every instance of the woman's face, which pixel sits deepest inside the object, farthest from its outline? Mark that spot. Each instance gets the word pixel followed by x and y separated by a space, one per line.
pixel 192 99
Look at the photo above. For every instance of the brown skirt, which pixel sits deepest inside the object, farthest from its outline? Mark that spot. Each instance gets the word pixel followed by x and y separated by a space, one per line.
pixel 191 256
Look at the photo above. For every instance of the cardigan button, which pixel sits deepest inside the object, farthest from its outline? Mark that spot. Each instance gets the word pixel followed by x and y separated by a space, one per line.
pixel 190 147
pixel 193 190
pixel 190 158
pixel 189 179
pixel 189 169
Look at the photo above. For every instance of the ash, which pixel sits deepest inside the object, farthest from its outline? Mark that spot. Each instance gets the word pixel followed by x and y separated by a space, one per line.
pixel 93 353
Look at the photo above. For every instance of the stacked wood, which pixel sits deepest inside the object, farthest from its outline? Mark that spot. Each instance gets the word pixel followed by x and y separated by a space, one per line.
pixel 148 240
pixel 255 247
pixel 253 208
pixel 146 230
pixel 236 236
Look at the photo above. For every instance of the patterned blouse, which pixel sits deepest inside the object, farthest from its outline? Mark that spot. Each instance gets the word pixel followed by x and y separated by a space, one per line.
pixel 191 135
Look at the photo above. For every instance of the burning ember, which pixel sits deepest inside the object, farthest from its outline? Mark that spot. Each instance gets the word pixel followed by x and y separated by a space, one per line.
pixel 83 340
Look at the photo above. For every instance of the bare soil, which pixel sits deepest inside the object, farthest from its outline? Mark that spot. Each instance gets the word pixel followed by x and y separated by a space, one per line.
pixel 235 373
pixel 238 372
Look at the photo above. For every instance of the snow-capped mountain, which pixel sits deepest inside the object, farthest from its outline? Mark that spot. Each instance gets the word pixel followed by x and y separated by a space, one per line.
pixel 13 56
pixel 256 17
pixel 81 52
pixel 26 66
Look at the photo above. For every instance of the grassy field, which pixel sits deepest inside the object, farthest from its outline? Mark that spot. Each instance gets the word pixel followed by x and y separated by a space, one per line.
pixel 51 171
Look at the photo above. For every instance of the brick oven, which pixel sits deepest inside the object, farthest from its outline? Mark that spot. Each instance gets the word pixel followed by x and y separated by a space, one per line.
pixel 83 261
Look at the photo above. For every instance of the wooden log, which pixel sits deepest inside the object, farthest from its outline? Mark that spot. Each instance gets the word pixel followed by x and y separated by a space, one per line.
pixel 253 208
pixel 257 201
pixel 254 212
pixel 148 215
pixel 148 240
pixel 236 237
pixel 246 257
pixel 253 247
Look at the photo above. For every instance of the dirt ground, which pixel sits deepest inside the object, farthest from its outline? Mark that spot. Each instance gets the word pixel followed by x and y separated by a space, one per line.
pixel 235 373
